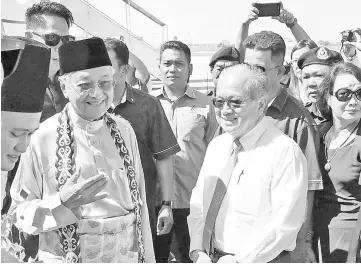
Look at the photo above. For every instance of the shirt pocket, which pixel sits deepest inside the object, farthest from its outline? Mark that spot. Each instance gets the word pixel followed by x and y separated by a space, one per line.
pixel 249 193
pixel 190 125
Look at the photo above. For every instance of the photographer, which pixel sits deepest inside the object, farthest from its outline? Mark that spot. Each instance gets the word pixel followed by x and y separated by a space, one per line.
pixel 351 46
pixel 285 17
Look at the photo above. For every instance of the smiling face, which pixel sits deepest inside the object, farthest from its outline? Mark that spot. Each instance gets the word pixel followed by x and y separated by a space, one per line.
pixel 238 121
pixel 175 69
pixel 16 131
pixel 312 77
pixel 348 111
pixel 57 25
pixel 86 97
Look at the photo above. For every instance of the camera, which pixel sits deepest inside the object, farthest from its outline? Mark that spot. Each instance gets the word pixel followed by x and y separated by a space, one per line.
pixel 268 9
pixel 347 35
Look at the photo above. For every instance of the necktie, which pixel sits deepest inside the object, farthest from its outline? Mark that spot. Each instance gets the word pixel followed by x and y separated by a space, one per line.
pixel 218 195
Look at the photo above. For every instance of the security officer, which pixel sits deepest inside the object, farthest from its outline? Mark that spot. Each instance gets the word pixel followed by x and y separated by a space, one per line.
pixel 315 65
pixel 223 58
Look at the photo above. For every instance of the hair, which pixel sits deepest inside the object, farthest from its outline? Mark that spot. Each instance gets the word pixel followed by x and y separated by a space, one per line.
pixel 120 48
pixel 305 43
pixel 175 45
pixel 65 78
pixel 267 40
pixel 255 83
pixel 326 87
pixel 33 14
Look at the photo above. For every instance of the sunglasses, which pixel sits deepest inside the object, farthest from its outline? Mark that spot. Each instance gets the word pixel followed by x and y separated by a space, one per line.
pixel 344 94
pixel 233 104
pixel 51 39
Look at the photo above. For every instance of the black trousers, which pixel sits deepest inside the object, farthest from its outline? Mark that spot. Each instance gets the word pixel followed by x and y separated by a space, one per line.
pixel 180 235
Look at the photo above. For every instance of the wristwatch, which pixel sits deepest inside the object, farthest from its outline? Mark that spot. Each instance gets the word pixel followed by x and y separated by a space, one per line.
pixel 167 203
pixel 290 25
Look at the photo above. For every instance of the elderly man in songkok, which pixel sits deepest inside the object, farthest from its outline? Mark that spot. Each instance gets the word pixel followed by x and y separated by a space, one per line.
pixel 24 71
pixel 80 185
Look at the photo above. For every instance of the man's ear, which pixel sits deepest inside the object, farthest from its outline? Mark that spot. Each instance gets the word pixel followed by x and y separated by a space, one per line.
pixel 190 69
pixel 63 89
pixel 281 70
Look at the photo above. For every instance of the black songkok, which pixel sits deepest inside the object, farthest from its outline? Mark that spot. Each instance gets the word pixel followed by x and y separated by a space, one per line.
pixel 26 69
pixel 83 54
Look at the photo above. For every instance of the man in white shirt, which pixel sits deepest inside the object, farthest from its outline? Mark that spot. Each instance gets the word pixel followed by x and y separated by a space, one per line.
pixel 264 190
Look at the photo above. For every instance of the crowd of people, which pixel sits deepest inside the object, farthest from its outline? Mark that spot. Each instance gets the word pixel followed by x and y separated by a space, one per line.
pixel 98 167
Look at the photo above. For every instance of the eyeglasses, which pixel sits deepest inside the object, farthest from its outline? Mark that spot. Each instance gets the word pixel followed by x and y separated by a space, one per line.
pixel 344 94
pixel 233 104
pixel 105 86
pixel 51 39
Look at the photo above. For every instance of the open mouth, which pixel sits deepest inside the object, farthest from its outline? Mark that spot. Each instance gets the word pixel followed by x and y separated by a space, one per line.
pixel 13 158
pixel 95 103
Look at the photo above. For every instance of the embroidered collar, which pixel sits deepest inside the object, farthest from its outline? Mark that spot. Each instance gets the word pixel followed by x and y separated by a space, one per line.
pixel 89 126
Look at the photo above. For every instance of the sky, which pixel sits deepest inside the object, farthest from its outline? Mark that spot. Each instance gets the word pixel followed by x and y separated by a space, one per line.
pixel 214 21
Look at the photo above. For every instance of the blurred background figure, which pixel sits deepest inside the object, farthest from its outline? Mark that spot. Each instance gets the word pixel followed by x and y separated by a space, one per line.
pixel 351 46
pixel 223 58
pixel 295 87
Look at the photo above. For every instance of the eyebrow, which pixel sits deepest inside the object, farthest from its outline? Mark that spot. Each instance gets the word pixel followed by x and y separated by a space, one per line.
pixel 25 129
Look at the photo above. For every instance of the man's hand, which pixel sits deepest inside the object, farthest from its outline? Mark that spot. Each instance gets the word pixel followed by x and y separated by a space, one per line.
pixel 285 16
pixel 199 256
pixel 227 259
pixel 75 194
pixel 252 15
pixel 303 253
pixel 165 220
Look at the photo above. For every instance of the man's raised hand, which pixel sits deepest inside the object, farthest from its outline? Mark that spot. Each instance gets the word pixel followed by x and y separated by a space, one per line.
pixel 74 194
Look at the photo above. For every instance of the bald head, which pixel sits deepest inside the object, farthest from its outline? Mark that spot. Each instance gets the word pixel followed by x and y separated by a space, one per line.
pixel 250 81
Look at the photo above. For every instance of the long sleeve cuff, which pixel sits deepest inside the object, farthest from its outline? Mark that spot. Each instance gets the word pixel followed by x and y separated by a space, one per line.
pixel 45 215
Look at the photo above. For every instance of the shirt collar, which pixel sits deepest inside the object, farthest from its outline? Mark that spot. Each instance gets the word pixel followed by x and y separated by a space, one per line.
pixel 280 100
pixel 189 92
pixel 250 139
pixel 129 93
pixel 128 96
pixel 89 126
pixel 124 98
